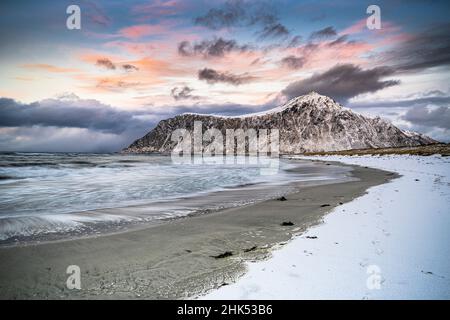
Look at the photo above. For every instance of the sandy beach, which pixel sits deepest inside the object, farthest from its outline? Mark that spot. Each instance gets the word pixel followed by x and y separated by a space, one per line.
pixel 390 243
pixel 178 259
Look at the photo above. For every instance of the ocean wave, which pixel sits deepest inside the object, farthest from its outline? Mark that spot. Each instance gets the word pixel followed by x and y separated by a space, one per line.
pixel 28 164
pixel 6 177
pixel 55 186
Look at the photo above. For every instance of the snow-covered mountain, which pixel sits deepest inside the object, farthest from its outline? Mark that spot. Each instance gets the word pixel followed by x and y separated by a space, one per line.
pixel 308 123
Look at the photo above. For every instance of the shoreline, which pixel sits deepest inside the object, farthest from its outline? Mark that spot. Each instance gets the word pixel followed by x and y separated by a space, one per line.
pixel 390 243
pixel 177 259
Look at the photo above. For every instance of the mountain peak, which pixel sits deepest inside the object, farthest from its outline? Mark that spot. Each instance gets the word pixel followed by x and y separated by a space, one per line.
pixel 313 93
pixel 312 98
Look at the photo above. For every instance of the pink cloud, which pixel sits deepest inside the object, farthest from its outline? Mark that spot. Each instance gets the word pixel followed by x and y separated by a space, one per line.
pixel 48 68
pixel 159 8
pixel 136 48
pixel 360 27
pixel 142 30
pixel 357 27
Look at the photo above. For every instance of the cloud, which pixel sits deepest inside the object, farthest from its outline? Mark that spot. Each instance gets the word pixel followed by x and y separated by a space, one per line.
pixel 225 109
pixel 295 41
pixel 67 112
pixel 425 112
pixel 212 76
pixel 233 13
pixel 430 117
pixel 343 82
pixel 95 14
pixel 276 30
pixel 129 67
pixel 423 101
pixel 108 64
pixel 71 124
pixel 293 62
pixel 68 123
pixel 160 8
pixel 142 30
pixel 216 47
pixel 183 93
pixel 238 13
pixel 48 68
pixel 116 85
pixel 340 40
pixel 428 49
pixel 324 33
pixel 105 62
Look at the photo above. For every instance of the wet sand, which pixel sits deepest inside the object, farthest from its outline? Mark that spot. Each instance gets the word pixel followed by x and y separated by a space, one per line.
pixel 177 259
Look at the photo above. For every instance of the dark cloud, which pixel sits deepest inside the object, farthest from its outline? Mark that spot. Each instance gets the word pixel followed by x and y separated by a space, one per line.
pixel 276 30
pixel 108 64
pixel 225 109
pixel 116 85
pixel 294 42
pixel 129 67
pixel 183 93
pixel 424 50
pixel 70 124
pixel 68 113
pixel 255 62
pixel 212 76
pixel 293 62
pixel 425 112
pixel 233 13
pixel 185 48
pixel 216 47
pixel 237 13
pixel 95 14
pixel 340 40
pixel 343 82
pixel 430 117
pixel 324 33
pixel 308 49
pixel 422 101
pixel 104 62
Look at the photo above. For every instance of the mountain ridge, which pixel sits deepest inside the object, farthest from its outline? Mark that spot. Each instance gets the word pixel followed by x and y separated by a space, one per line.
pixel 308 123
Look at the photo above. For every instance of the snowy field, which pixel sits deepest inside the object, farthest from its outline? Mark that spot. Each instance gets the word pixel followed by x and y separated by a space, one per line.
pixel 392 243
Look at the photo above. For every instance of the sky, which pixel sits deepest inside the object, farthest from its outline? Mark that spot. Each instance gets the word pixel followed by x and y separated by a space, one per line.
pixel 134 63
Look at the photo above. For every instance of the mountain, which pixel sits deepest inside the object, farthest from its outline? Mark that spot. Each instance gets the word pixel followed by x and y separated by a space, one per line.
pixel 308 123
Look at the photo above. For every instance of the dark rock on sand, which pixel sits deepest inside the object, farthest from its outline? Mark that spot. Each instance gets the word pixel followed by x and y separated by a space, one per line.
pixel 250 249
pixel 223 255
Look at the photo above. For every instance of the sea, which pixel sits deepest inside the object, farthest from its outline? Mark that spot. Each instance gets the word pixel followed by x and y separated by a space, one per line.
pixel 52 196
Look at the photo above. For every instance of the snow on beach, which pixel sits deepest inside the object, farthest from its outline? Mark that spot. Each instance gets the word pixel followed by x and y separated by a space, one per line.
pixel 391 243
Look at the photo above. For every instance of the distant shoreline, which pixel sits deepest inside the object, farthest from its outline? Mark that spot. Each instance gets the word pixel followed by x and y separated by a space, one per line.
pixel 426 150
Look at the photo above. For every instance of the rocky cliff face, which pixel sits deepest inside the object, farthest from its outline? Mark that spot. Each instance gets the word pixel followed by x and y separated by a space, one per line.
pixel 309 123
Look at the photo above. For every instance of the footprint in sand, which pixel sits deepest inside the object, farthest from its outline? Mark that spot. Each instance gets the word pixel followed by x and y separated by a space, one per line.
pixel 307 253
pixel 364 263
